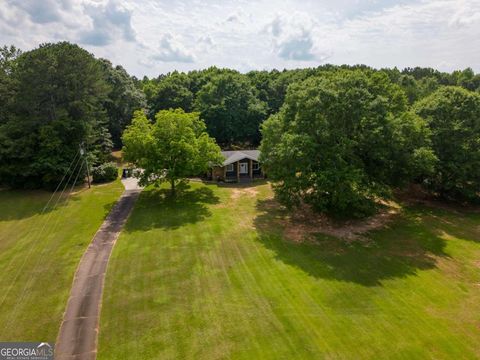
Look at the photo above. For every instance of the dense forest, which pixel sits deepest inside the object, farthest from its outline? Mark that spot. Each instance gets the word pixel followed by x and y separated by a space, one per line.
pixel 374 129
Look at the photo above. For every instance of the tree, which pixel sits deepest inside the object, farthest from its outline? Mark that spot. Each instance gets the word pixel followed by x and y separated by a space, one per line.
pixel 230 109
pixel 7 85
pixel 453 115
pixel 172 92
pixel 60 89
pixel 410 86
pixel 342 140
pixel 123 99
pixel 171 149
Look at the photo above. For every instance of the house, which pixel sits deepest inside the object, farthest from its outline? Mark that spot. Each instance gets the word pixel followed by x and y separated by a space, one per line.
pixel 238 165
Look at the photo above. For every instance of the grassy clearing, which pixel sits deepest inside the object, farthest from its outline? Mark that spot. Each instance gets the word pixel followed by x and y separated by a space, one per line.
pixel 210 276
pixel 37 267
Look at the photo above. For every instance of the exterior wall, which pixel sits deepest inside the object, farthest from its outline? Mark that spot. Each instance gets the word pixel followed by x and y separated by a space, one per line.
pixel 220 173
pixel 232 174
pixel 217 173
pixel 257 173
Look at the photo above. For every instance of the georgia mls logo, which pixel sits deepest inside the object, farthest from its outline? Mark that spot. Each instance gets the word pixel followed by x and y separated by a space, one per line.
pixel 26 351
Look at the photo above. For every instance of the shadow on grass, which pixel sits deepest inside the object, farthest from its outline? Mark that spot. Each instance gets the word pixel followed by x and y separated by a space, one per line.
pixel 399 251
pixel 157 208
pixel 240 185
pixel 22 204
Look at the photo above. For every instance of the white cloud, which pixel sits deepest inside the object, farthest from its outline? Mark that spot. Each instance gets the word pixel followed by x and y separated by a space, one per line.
pixel 155 36
pixel 109 21
pixel 40 11
pixel 172 50
pixel 294 37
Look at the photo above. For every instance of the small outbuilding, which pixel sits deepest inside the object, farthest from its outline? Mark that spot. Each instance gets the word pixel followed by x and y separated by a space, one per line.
pixel 239 165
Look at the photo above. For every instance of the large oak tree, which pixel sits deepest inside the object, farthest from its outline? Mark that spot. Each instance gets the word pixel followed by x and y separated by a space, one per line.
pixel 341 140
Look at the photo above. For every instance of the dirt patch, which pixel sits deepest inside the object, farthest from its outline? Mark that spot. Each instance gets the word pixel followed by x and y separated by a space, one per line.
pixel 243 192
pixel 303 223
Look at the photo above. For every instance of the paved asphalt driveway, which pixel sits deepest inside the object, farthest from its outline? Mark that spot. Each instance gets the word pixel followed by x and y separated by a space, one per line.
pixel 78 334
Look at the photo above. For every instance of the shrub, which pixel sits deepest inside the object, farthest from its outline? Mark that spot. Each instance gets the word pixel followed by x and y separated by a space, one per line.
pixel 105 172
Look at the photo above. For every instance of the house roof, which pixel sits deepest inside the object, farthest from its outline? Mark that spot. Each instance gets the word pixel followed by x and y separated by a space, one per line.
pixel 236 155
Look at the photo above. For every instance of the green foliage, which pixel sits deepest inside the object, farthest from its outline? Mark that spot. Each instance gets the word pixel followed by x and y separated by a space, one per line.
pixel 230 109
pixel 105 172
pixel 7 85
pixel 57 96
pixel 453 115
pixel 59 92
pixel 172 92
pixel 343 139
pixel 272 86
pixel 262 93
pixel 173 148
pixel 123 99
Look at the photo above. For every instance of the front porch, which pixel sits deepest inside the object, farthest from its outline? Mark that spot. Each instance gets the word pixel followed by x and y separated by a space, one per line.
pixel 239 166
pixel 244 170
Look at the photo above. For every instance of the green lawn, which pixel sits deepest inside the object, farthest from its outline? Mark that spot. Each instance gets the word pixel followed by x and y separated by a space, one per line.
pixel 39 254
pixel 209 276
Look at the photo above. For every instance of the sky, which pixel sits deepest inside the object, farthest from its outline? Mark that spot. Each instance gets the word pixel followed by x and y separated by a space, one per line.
pixel 152 37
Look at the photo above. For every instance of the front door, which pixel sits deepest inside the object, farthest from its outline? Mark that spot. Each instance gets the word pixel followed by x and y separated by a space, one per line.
pixel 243 168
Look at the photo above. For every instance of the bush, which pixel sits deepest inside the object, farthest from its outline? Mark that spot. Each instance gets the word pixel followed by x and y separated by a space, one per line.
pixel 105 172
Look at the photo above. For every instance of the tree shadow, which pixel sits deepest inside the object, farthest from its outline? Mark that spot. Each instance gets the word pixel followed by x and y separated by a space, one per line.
pixel 23 204
pixel 157 208
pixel 462 223
pixel 235 185
pixel 397 251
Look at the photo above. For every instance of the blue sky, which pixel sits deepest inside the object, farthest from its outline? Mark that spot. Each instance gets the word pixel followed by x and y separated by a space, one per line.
pixel 149 37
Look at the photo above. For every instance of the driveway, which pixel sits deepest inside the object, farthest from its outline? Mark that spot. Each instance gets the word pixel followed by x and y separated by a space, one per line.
pixel 78 334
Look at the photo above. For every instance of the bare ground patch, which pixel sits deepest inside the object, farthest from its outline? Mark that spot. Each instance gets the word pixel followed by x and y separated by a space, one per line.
pixel 238 193
pixel 301 224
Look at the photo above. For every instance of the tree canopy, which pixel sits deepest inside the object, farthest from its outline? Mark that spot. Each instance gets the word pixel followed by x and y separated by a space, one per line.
pixel 453 115
pixel 336 136
pixel 230 109
pixel 341 140
pixel 58 104
pixel 123 99
pixel 171 92
pixel 171 149
pixel 7 86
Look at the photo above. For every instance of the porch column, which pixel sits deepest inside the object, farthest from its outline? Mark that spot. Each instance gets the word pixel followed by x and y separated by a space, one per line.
pixel 238 171
pixel 250 169
pixel 224 173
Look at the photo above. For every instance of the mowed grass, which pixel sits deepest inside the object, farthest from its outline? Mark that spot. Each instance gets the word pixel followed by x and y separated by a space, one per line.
pixel 39 254
pixel 209 275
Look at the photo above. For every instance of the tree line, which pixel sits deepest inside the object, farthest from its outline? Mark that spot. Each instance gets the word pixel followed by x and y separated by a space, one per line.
pixel 55 99
pixel 337 137
pixel 345 139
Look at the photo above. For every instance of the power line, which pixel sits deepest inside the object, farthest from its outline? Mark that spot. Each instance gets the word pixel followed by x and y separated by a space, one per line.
pixel 51 231
pixel 83 153
pixel 76 160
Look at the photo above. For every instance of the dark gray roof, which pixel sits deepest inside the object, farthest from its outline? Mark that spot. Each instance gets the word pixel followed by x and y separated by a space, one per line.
pixel 235 155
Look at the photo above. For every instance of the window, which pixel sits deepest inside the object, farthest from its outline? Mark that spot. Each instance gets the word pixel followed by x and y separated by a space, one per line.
pixel 256 166
pixel 230 168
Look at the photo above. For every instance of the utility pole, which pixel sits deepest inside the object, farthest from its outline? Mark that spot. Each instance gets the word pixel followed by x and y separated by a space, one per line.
pixel 83 153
